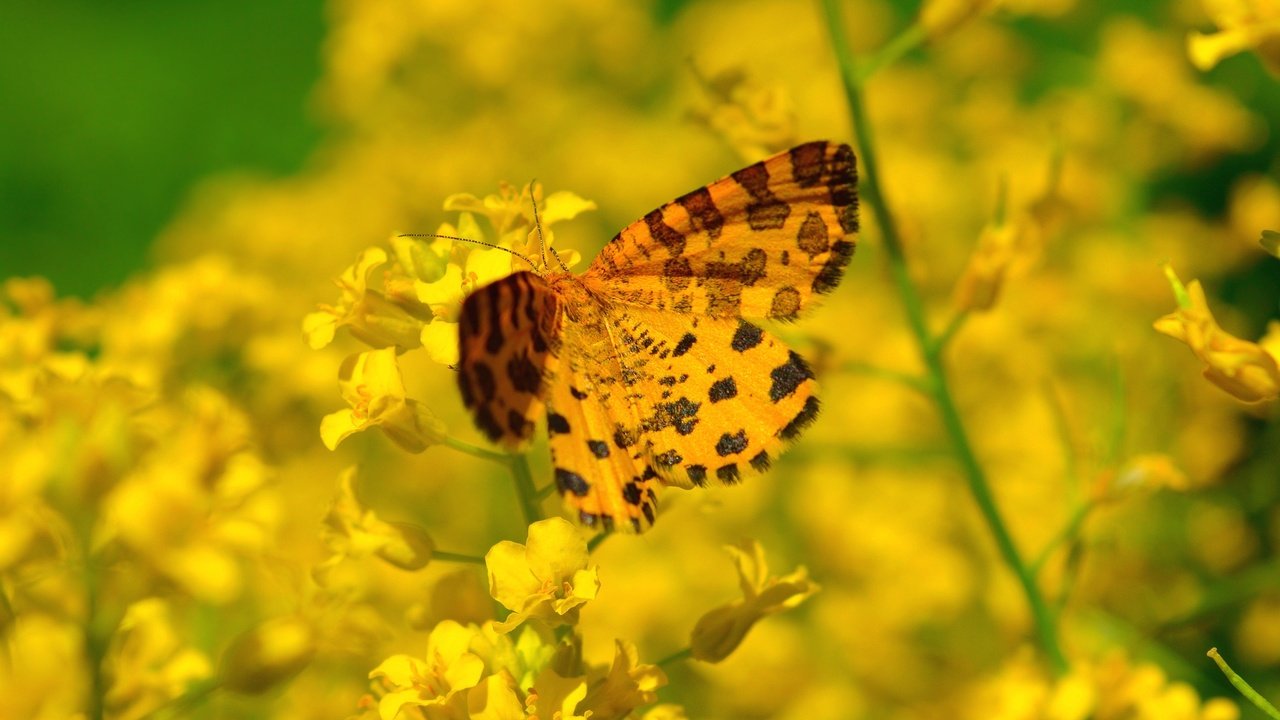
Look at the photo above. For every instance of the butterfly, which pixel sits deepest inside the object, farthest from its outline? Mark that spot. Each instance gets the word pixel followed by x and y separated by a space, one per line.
pixel 645 365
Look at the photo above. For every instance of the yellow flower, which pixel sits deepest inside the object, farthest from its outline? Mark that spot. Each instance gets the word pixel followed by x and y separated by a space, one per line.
pixel 1141 473
pixel 199 503
pixel 1242 24
pixel 756 120
pixel 1248 371
pixel 353 531
pixel 370 315
pixel 555 697
pixel 627 686
pixel 999 246
pixel 547 579
pixel 148 663
pixel 510 213
pixel 438 681
pixel 268 655
pixel 720 631
pixel 495 698
pixel 371 383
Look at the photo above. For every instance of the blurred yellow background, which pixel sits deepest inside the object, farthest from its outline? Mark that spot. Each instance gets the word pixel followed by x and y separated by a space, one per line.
pixel 176 540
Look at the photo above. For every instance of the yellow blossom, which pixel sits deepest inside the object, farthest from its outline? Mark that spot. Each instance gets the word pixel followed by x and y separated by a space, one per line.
pixel 148 663
pixel 547 579
pixel 354 531
pixel 1242 25
pixel 495 698
pixel 372 385
pixel 720 631
pixel 553 696
pixel 627 686
pixel 1141 473
pixel 1248 371
pixel 510 211
pixel 268 655
pixel 757 120
pixel 368 313
pixel 437 682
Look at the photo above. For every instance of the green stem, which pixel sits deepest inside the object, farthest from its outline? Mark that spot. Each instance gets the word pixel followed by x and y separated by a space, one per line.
pixel 944 338
pixel 476 450
pixel 930 350
pixel 893 51
pixel 456 557
pixel 525 489
pixel 675 657
pixel 95 645
pixel 1066 535
pixel 1244 687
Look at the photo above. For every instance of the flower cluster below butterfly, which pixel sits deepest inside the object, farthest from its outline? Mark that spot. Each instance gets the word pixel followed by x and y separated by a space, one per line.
pixel 645 365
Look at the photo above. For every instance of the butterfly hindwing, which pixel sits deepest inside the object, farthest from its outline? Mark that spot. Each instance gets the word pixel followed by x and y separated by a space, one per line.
pixel 509 345
pixel 759 243
pixel 720 397
pixel 599 463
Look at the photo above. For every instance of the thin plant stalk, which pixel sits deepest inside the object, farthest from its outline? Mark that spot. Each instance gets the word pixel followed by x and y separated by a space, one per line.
pixel 931 350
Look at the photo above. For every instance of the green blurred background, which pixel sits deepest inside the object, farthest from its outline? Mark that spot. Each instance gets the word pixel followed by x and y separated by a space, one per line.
pixel 112 111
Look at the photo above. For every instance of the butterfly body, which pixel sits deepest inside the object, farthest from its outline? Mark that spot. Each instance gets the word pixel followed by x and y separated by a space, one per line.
pixel 644 366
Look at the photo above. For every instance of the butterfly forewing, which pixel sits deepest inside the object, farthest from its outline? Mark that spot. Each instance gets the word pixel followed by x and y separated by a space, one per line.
pixel 509 346
pixel 759 243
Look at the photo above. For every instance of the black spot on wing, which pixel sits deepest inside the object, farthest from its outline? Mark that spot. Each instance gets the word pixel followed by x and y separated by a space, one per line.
pixel 598 448
pixel 524 375
pixel 664 234
pixel 746 336
pixel 557 424
pixel 623 437
pixel 829 276
pixel 802 420
pixel 667 459
pixel 731 444
pixel 683 346
pixel 760 462
pixel 485 384
pixel 631 493
pixel 723 389
pixel 518 424
pixel 697 474
pixel 727 474
pixel 488 424
pixel 788 376
pixel 571 482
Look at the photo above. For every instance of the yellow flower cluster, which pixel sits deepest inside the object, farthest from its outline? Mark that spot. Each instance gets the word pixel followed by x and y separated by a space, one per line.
pixel 1020 501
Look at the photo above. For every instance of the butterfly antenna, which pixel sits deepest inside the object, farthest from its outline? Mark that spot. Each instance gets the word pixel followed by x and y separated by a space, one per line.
pixel 542 240
pixel 469 240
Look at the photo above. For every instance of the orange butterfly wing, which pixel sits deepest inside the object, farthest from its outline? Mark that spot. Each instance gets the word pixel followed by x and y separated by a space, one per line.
pixel 719 396
pixel 508 347
pixel 647 368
